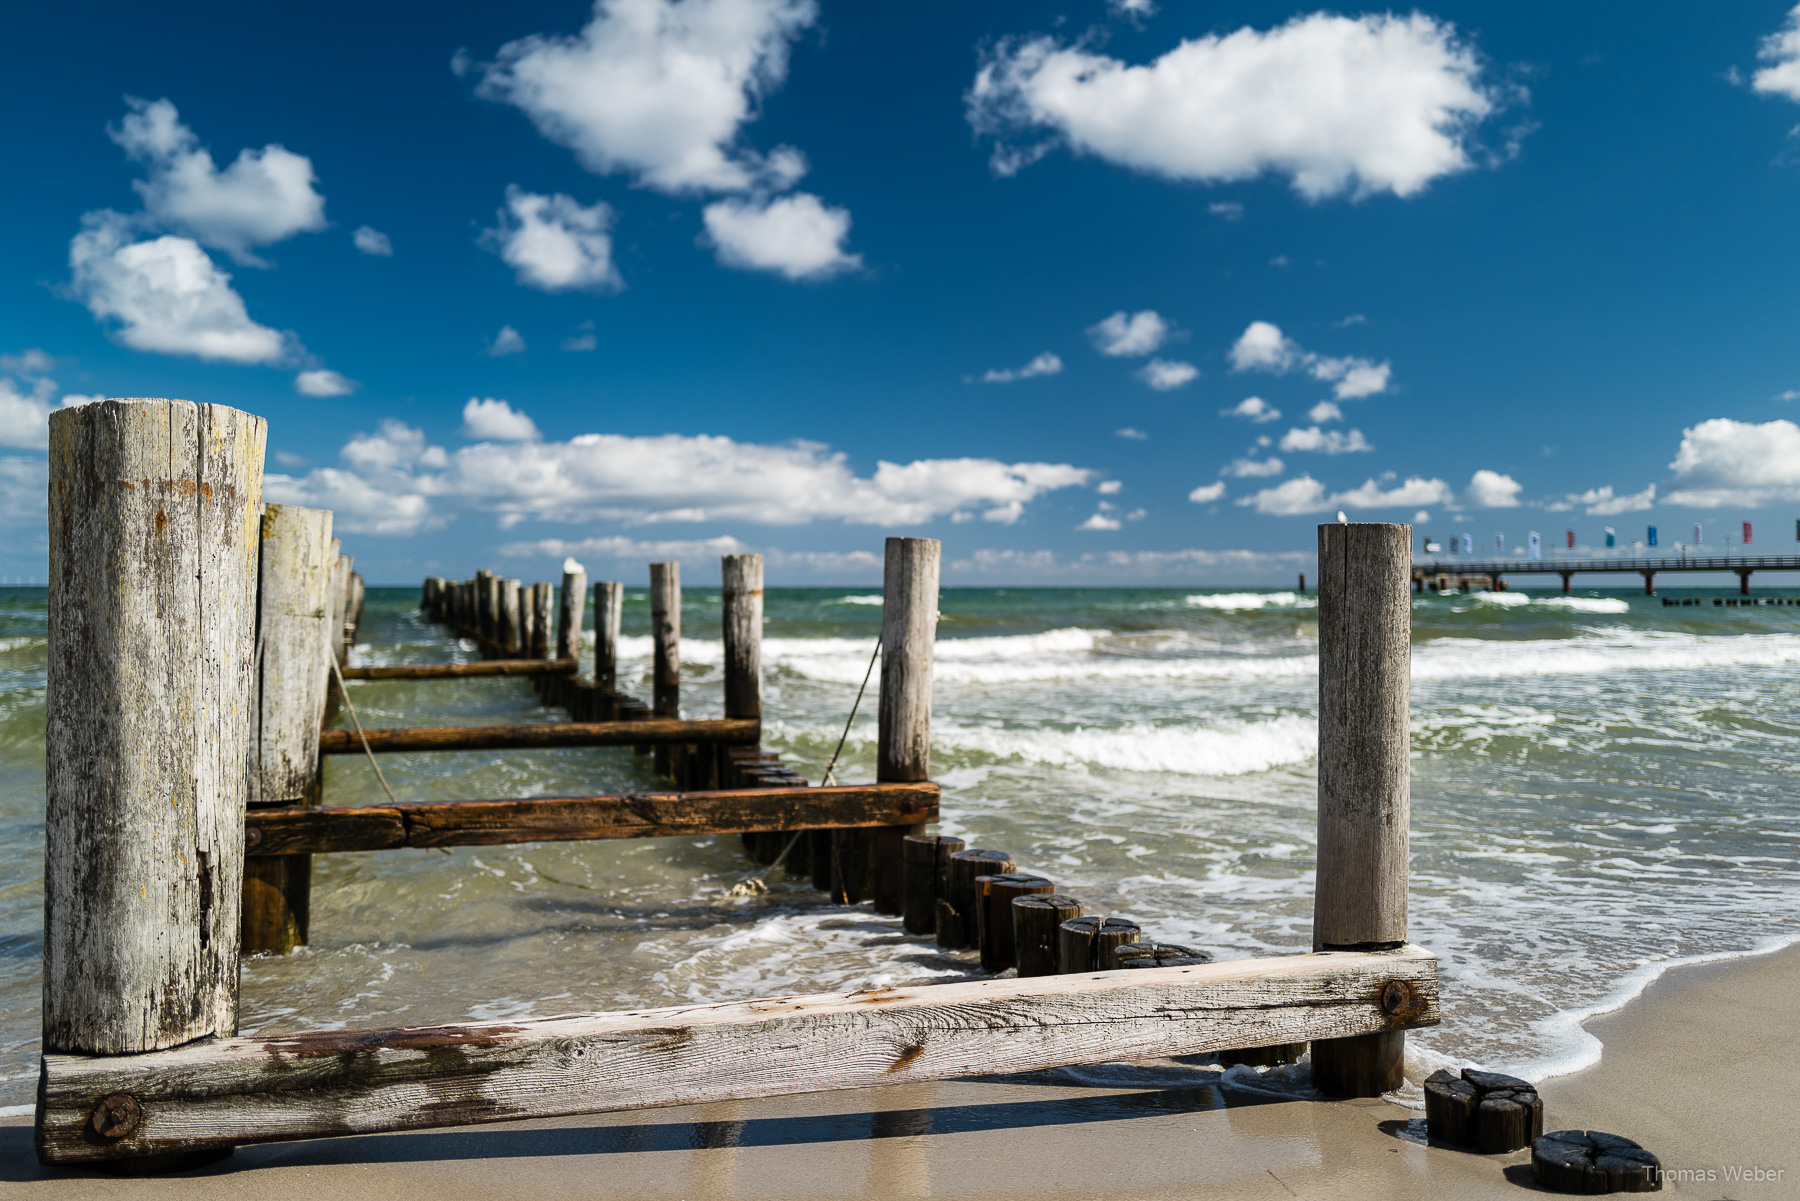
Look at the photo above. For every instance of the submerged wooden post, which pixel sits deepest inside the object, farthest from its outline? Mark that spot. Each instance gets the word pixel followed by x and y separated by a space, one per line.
pixel 1365 660
pixel 609 602
pixel 909 604
pixel 665 638
pixel 570 610
pixel 152 620
pixel 292 679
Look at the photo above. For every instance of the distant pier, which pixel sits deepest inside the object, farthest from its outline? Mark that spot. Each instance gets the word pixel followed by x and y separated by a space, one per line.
pixel 1452 575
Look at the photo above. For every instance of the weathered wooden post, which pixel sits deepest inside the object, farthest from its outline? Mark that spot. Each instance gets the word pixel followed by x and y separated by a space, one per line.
pixel 741 618
pixel 353 615
pixel 292 679
pixel 334 635
pixel 665 637
pixel 543 602
pixel 570 612
pixel 609 603
pixel 152 621
pixel 909 607
pixel 511 625
pixel 1365 662
pixel 346 582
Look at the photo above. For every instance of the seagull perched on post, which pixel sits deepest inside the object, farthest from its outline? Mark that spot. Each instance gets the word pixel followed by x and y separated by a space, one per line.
pixel 1342 520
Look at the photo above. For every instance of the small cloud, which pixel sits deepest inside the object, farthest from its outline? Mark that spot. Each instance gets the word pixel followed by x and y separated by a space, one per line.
pixel 1279 261
pixel 1601 502
pixel 1790 394
pixel 1253 409
pixel 1492 490
pixel 1263 347
pixel 580 342
pixel 1324 411
pixel 460 62
pixel 1137 515
pixel 1101 521
pixel 496 421
pixel 1330 442
pixel 1131 434
pixel 507 341
pixel 1168 374
pixel 1135 11
pixel 286 459
pixel 1044 364
pixel 1352 319
pixel 1109 487
pixel 29 362
pixel 1248 468
pixel 1421 515
pixel 372 241
pixel 1128 336
pixel 1205 494
pixel 323 383
pixel 1226 210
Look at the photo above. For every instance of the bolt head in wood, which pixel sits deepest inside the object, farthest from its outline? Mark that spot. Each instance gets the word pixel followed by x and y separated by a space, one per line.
pixel 1399 999
pixel 116 1117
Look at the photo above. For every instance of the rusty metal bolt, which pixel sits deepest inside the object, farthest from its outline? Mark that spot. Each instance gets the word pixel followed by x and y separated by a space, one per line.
pixel 116 1117
pixel 1397 998
pixel 252 836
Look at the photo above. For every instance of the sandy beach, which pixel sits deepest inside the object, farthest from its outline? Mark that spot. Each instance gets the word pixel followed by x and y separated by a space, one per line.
pixel 1689 1069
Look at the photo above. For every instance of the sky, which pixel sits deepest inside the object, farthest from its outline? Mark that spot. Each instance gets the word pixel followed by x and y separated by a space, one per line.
pixel 1108 292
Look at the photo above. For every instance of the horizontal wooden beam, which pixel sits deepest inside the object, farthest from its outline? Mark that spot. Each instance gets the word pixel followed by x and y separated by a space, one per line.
pixel 658 731
pixel 457 671
pixel 312 831
pixel 227 1092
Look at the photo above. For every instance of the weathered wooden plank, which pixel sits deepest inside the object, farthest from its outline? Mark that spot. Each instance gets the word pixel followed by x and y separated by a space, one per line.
pixel 547 734
pixel 249 1090
pixel 153 522
pixel 559 819
pixel 457 671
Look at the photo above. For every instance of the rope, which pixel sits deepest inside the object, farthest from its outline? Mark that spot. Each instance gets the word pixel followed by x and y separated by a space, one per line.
pixel 831 768
pixel 357 721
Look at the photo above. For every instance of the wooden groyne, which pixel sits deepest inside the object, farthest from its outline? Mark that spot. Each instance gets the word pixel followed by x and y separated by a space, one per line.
pixel 155 510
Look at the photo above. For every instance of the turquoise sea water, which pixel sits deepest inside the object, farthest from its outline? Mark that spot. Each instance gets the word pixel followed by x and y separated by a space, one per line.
pixel 1602 786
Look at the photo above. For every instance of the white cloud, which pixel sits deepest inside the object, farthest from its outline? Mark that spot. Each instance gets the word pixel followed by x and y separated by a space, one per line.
pixel 263 197
pixel 1303 494
pixel 1253 468
pixel 1130 434
pixel 649 480
pixel 1324 411
pixel 25 417
pixel 507 341
pixel 1109 487
pixel 554 244
pixel 497 421
pixel 1378 103
pixel 1781 50
pixel 1130 335
pixel 1100 521
pixel 372 241
pixel 166 295
pixel 322 383
pixel 580 342
pixel 1253 409
pixel 1135 10
pixel 1044 364
pixel 1165 375
pixel 1491 490
pixel 1725 462
pixel 660 89
pixel 1110 566
pixel 1205 494
pixel 1601 502
pixel 29 362
pixel 1230 210
pixel 796 236
pixel 1263 347
pixel 1331 442
pixel 618 547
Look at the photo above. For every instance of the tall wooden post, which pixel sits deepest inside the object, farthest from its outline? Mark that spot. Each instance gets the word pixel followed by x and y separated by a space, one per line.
pixel 542 602
pixel 665 638
pixel 346 604
pixel 609 602
pixel 741 579
pixel 292 678
pixel 909 608
pixel 152 622
pixel 334 633
pixel 1365 691
pixel 570 612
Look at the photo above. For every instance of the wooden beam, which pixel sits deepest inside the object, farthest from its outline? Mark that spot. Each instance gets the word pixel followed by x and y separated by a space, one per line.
pixel 458 671
pixel 549 734
pixel 228 1092
pixel 298 830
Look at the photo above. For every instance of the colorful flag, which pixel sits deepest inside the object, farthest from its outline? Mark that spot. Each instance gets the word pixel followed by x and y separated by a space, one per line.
pixel 1468 544
pixel 1609 537
pixel 1697 541
pixel 1653 534
pixel 1500 539
pixel 1537 547
pixel 1746 533
pixel 1571 539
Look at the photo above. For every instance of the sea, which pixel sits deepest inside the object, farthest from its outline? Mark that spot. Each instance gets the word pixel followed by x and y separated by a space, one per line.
pixel 1604 787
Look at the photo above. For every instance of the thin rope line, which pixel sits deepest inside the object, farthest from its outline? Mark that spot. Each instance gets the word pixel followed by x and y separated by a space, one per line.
pixel 357 721
pixel 831 768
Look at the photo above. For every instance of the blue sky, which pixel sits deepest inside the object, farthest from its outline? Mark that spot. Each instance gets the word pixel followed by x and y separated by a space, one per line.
pixel 791 276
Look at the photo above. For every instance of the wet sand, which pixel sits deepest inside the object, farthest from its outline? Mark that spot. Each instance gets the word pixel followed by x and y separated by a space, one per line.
pixel 1704 1069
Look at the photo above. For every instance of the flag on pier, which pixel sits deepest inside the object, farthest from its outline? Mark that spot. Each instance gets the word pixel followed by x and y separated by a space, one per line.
pixel 1537 546
pixel 1609 538
pixel 1697 540
pixel 1571 540
pixel 1746 533
pixel 1653 533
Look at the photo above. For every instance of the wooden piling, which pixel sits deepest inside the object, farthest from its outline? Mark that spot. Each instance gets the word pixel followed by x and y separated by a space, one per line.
pixel 927 864
pixel 1365 655
pixel 569 614
pixel 542 605
pixel 154 516
pixel 994 896
pixel 1087 944
pixel 1036 919
pixel 609 603
pixel 511 625
pixel 956 901
pixel 909 606
pixel 741 579
pixel 291 681
pixel 665 638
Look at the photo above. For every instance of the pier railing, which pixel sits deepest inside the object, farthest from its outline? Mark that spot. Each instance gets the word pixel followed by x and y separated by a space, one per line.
pixel 1443 574
pixel 155 654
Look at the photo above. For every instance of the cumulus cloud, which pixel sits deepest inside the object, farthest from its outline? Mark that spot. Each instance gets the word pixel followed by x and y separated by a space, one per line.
pixel 1253 468
pixel 619 547
pixel 1123 335
pixel 1253 409
pixel 1601 502
pixel 1263 347
pixel 1492 490
pixel 1165 375
pixel 1044 364
pixel 1781 50
pixel 795 236
pixel 1330 442
pixel 660 89
pixel 1358 105
pixel 497 421
pixel 1205 494
pixel 1110 487
pixel 25 416
pixel 1133 435
pixel 393 479
pixel 372 241
pixel 554 244
pixel 263 197
pixel 1725 462
pixel 507 341
pixel 1303 494
pixel 322 383
pixel 1101 522
pixel 1324 411
pixel 165 295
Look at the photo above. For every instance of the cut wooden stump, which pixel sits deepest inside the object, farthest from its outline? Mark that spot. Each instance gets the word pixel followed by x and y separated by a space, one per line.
pixel 994 896
pixel 1035 922
pixel 1088 944
pixel 1482 1111
pixel 927 858
pixel 1593 1162
pixel 1159 954
pixel 956 919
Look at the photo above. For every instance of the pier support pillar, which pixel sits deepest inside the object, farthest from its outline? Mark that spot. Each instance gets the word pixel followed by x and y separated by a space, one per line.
pixel 909 610
pixel 1568 579
pixel 1365 660
pixel 1649 583
pixel 1743 581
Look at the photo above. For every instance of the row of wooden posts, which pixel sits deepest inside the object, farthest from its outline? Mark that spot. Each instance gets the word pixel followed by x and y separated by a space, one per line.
pixel 157 661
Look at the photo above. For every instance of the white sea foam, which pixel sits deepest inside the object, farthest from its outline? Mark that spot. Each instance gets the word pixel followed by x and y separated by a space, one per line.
pixel 858 600
pixel 1577 604
pixel 1241 601
pixel 1507 600
pixel 1226 750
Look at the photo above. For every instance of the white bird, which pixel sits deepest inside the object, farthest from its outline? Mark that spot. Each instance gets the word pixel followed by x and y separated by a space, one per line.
pixel 570 565
pixel 1342 520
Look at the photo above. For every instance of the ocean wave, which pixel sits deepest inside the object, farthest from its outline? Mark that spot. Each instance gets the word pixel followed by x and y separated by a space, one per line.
pixel 1577 604
pixel 857 600
pixel 1235 602
pixel 1186 750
